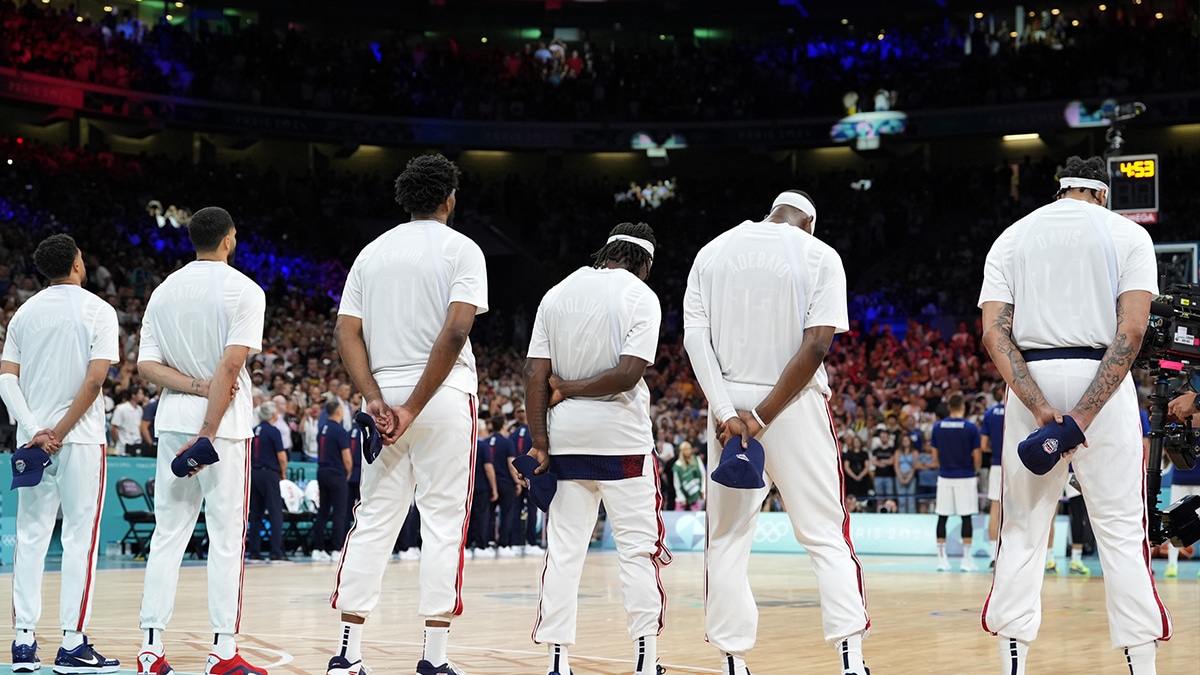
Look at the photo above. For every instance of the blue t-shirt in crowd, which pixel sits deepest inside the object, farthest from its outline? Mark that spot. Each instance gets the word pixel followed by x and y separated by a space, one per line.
pixel 265 447
pixel 918 438
pixel 955 440
pixel 1145 422
pixel 993 428
pixel 502 449
pixel 331 440
pixel 355 453
pixel 483 456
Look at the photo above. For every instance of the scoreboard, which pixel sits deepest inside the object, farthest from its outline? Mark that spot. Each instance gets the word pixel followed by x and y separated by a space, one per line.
pixel 1134 187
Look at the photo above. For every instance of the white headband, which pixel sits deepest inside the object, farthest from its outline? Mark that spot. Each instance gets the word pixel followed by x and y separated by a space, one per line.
pixel 633 240
pixel 1085 183
pixel 798 201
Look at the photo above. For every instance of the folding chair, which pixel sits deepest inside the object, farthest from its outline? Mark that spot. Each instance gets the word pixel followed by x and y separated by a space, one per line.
pixel 140 517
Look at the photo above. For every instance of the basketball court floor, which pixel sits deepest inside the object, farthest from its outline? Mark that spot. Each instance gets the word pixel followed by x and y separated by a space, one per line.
pixel 923 621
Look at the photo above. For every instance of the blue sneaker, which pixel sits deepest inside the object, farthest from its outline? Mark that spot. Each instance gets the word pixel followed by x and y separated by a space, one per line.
pixel 25 659
pixel 84 659
pixel 340 665
pixel 426 668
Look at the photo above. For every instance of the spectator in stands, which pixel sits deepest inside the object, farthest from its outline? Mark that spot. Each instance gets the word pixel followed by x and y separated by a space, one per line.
pixel 883 464
pixel 906 474
pixel 856 465
pixel 281 422
pixel 333 472
pixel 268 466
pixel 127 421
pixel 689 479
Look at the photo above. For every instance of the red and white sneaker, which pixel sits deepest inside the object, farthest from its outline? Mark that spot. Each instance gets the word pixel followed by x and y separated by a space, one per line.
pixel 235 666
pixel 150 663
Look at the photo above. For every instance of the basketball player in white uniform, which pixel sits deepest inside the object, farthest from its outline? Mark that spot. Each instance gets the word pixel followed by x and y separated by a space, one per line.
pixel 57 352
pixel 594 335
pixel 200 326
pixel 763 302
pixel 407 310
pixel 1066 297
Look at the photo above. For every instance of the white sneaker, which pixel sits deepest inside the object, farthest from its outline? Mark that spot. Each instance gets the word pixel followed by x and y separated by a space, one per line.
pixel 534 550
pixel 943 564
pixel 490 552
pixel 410 554
pixel 967 564
pixel 321 556
pixel 507 552
pixel 336 556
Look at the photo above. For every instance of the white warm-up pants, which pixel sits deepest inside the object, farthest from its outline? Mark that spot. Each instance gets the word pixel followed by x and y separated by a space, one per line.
pixel 74 479
pixel 1112 474
pixel 433 462
pixel 632 505
pixel 224 490
pixel 804 462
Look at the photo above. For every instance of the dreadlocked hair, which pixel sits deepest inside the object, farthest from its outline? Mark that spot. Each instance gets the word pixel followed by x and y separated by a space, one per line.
pixel 626 252
pixel 1092 168
pixel 426 182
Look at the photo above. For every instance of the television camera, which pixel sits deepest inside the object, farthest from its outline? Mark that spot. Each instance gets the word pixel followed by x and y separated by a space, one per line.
pixel 1171 353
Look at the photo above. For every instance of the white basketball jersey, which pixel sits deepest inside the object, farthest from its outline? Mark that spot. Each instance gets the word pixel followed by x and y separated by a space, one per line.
pixel 584 325
pixel 1062 268
pixel 191 318
pixel 53 337
pixel 401 286
pixel 757 287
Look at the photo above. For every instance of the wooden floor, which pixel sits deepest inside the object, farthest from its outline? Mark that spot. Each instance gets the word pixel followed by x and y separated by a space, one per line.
pixel 924 622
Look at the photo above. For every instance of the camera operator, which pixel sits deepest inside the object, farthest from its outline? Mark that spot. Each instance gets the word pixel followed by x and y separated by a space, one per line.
pixel 1183 482
pixel 1184 406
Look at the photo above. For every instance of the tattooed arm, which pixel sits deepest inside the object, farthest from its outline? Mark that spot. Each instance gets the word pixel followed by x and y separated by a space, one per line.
pixel 1133 313
pixel 997 337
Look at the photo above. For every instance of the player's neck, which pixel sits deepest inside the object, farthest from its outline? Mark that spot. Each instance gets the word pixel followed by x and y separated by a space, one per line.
pixel 212 256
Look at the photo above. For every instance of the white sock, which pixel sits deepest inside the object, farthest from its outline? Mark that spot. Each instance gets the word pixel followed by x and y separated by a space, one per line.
pixel 558 660
pixel 1076 555
pixel 646 655
pixel 733 665
pixel 1141 658
pixel 352 642
pixel 1049 555
pixel 942 550
pixel 1012 656
pixel 435 644
pixel 72 639
pixel 1172 555
pixel 24 637
pixel 994 547
pixel 850 652
pixel 152 641
pixel 224 647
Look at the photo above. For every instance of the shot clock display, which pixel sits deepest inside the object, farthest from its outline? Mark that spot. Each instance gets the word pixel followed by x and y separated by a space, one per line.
pixel 1134 186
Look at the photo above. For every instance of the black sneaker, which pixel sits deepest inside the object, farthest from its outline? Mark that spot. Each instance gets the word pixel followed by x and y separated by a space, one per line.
pixel 426 668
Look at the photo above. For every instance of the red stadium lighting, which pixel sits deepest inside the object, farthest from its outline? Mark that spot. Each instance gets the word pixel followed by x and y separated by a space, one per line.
pixel 20 141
